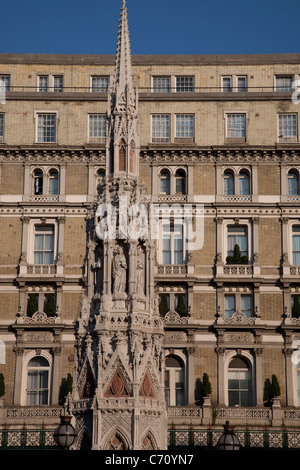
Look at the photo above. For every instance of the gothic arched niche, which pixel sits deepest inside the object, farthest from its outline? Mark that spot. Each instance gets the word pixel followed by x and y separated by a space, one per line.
pixel 131 157
pixel 148 442
pixel 122 154
pixel 116 442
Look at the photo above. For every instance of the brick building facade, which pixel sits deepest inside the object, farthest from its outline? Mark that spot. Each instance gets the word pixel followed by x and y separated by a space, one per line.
pixel 217 131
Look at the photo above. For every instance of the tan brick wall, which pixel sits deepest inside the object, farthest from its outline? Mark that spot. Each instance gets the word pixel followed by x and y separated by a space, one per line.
pixel 206 362
pixel 8 371
pixel 270 241
pixel 71 305
pixel 75 241
pixel 76 179
pixel 268 179
pixel 274 363
pixel 204 179
pixel 12 179
pixel 271 306
pixel 206 255
pixel 204 305
pixel 145 175
pixel 10 236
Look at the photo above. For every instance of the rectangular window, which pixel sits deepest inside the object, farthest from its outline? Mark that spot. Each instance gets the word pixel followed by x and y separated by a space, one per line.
pixel 100 84
pixel 185 84
pixel 1 127
pixel 246 307
pixel 236 126
pixel 161 84
pixel 284 83
pixel 161 128
pixel 242 84
pixel 43 83
pixel 97 127
pixel 287 128
pixel 229 305
pixel 296 245
pixel 44 245
pixel 58 83
pixel 226 84
pixel 5 79
pixel 237 236
pixel 185 126
pixel 172 244
pixel 46 128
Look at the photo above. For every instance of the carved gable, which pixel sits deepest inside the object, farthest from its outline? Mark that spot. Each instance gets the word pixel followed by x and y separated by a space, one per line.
pixel 146 389
pixel 117 386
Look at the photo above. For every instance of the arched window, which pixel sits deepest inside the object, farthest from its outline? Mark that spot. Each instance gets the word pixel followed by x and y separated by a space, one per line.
pixel 293 183
pixel 239 382
pixel 53 183
pixel 180 182
pixel 38 182
pixel 165 182
pixel 38 376
pixel 244 183
pixel 174 381
pixel 228 183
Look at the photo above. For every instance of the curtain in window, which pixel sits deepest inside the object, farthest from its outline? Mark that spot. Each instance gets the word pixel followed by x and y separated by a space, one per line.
pixel 178 245
pixel 228 184
pixel 44 248
pixel 53 183
pixel 296 250
pixel 293 183
pixel 239 239
pixel 37 381
pixel 244 184
pixel 229 305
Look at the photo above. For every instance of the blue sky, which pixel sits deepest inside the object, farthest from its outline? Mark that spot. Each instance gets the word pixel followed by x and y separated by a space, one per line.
pixel 156 26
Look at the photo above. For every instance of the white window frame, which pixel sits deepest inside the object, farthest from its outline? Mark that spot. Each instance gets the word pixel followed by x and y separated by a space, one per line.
pixel 234 83
pixel 284 75
pixel 31 238
pixel 95 139
pixel 190 86
pixel 189 127
pixel 51 83
pixel 26 359
pixel 172 244
pixel 94 89
pixel 237 138
pixel 161 89
pixel 180 355
pixel 242 222
pixel 229 355
pixel 166 139
pixel 286 138
pixel 36 117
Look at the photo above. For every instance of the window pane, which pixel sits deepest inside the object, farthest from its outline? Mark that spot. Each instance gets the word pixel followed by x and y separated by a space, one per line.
pixel 287 125
pixel 5 81
pixel 246 305
pixel 160 128
pixel 43 83
pixel 184 84
pixel 58 83
pixel 97 125
pixel 237 236
pixel 244 184
pixel 229 305
pixel 44 245
pixel 46 128
pixel 293 184
pixel 2 125
pixel 236 125
pixel 296 250
pixel 226 84
pixel 165 182
pixel 228 184
pixel 284 83
pixel 185 125
pixel 180 179
pixel 53 183
pixel 161 84
pixel 242 84
pixel 100 84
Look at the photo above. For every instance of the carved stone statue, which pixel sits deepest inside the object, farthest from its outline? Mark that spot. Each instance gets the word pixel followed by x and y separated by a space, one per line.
pixel 119 271
pixel 140 277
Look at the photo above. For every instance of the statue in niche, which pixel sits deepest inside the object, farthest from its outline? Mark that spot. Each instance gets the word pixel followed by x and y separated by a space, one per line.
pixel 119 271
pixel 140 283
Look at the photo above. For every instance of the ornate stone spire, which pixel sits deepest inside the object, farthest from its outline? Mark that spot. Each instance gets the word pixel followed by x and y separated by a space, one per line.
pixel 122 141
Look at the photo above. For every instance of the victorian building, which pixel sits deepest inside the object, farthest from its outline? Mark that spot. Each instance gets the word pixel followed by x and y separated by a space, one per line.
pixel 150 243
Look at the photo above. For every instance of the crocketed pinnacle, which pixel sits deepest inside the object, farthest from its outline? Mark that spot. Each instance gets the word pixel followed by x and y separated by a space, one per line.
pixel 123 73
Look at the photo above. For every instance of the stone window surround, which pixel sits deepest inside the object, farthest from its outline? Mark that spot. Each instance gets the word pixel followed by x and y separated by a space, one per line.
pixel 156 171
pixel 223 382
pixel 50 80
pixel 28 180
pixel 222 233
pixel 36 113
pixel 234 82
pixel 173 79
pixel 25 360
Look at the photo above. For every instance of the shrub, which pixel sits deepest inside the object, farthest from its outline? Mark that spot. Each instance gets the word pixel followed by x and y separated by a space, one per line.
pixel 275 388
pixel 2 385
pixel 206 385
